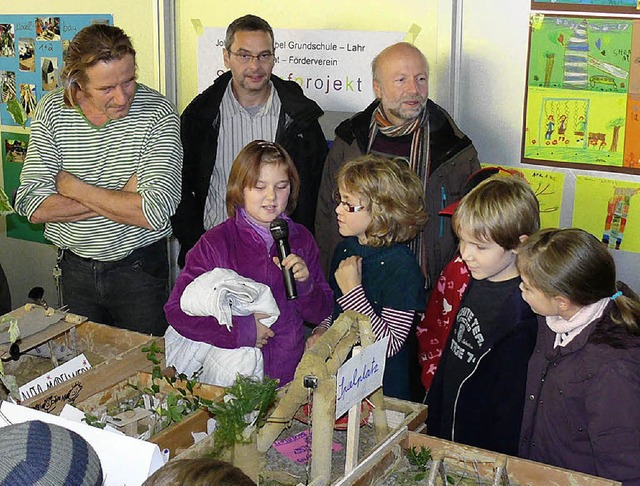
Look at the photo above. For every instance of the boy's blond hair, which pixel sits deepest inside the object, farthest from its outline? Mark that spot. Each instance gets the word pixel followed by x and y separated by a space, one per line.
pixel 499 209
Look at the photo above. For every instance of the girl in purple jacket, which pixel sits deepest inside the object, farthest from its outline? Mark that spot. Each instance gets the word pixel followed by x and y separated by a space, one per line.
pixel 583 383
pixel 263 185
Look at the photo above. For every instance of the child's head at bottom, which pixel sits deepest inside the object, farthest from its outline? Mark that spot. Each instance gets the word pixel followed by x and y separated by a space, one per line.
pixel 251 165
pixel 491 222
pixel 380 200
pixel 203 471
pixel 564 270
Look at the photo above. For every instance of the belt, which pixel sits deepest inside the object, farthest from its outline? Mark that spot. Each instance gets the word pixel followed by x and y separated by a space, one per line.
pixel 154 248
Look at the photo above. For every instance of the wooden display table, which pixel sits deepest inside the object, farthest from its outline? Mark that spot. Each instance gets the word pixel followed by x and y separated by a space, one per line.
pixel 177 436
pixel 477 466
pixel 113 353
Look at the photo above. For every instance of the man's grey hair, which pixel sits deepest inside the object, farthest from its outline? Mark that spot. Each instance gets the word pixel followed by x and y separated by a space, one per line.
pixel 374 63
pixel 247 23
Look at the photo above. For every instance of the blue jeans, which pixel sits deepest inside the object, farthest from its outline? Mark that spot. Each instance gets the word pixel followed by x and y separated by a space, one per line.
pixel 128 293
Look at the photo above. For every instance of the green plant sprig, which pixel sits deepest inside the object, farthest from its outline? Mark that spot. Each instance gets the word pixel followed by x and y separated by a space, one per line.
pixel 245 396
pixel 178 403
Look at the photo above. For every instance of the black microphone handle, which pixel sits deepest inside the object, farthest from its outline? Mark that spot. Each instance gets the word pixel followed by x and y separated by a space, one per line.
pixel 287 273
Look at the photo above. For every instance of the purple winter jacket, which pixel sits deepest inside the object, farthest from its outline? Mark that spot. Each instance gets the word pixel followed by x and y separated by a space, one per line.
pixel 234 244
pixel 582 408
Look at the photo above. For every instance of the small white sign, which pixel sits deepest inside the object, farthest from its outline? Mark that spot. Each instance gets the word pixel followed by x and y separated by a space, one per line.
pixel 58 375
pixel 360 376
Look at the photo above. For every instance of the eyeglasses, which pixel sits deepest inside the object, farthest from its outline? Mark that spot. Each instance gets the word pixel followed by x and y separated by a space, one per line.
pixel 349 208
pixel 246 58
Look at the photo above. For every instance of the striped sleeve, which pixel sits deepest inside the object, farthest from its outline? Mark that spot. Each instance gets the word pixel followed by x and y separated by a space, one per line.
pixel 159 171
pixel 393 323
pixel 145 143
pixel 37 177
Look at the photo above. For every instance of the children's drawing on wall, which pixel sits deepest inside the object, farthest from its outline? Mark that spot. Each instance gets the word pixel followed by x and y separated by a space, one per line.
pixel 614 6
pixel 578 103
pixel 547 186
pixel 632 140
pixel 617 213
pixel 610 210
pixel 27 50
pixel 31 56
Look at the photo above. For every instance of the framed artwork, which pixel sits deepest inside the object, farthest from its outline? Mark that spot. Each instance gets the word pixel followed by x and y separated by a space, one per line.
pixel 600 6
pixel 582 101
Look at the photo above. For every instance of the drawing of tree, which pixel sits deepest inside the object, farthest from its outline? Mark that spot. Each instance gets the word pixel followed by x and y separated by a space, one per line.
pixel 615 124
pixel 551 57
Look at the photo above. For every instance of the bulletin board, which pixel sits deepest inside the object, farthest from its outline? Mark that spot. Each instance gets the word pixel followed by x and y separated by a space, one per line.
pixel 583 93
pixel 32 50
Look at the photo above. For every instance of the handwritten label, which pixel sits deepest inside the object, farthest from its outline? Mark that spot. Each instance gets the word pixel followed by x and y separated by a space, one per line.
pixel 360 376
pixel 297 447
pixel 58 375
pixel 50 403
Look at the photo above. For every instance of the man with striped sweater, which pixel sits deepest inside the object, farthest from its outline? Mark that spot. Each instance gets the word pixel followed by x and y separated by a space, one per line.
pixel 103 172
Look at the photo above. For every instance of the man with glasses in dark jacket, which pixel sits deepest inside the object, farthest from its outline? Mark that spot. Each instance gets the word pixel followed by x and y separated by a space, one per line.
pixel 244 104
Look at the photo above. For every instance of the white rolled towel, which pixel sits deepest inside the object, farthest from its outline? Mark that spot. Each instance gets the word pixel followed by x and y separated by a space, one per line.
pixel 219 366
pixel 221 293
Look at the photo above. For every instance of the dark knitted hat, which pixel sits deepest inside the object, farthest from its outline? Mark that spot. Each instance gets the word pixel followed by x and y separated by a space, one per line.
pixel 45 454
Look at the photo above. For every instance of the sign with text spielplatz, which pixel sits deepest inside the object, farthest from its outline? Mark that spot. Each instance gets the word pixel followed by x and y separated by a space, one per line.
pixel 360 376
pixel 333 67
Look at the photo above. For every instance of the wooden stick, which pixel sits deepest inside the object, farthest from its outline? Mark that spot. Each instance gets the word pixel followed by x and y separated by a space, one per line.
pixel 353 431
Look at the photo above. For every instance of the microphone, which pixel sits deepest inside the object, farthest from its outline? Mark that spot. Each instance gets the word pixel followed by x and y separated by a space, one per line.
pixel 280 232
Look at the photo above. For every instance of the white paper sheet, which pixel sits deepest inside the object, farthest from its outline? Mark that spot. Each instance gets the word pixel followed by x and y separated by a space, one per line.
pixel 125 461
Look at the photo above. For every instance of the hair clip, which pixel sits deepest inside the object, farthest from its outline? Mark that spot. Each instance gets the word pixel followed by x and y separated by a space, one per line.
pixel 265 144
pixel 616 295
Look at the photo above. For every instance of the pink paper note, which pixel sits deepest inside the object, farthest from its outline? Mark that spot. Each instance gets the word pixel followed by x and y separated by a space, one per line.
pixel 295 447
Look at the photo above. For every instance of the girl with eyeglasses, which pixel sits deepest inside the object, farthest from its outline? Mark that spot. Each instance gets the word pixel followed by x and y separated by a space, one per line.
pixel 380 208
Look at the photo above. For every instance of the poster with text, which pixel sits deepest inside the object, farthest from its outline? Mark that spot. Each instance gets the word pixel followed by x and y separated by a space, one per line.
pixel 333 67
pixel 610 210
pixel 582 93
